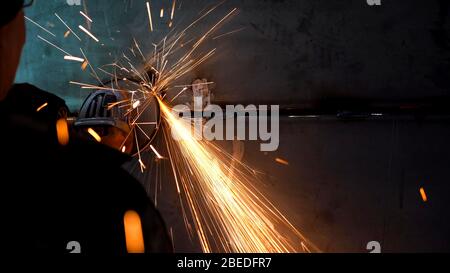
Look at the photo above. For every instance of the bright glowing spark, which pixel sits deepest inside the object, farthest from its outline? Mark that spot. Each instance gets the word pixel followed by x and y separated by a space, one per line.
pixel 72 58
pixel 124 148
pixel 282 161
pixel 136 104
pixel 62 132
pixel 88 33
pixel 134 237
pixel 161 13
pixel 84 65
pixel 64 23
pixel 43 28
pixel 156 152
pixel 94 134
pixel 41 107
pixel 173 9
pixel 85 16
pixel 149 12
pixel 423 194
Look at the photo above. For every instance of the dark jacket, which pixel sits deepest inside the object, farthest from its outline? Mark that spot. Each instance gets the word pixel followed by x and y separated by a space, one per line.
pixel 53 194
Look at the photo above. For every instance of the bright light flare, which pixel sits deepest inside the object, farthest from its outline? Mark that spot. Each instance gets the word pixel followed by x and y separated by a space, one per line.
pixel 94 134
pixel 136 104
pixel 158 155
pixel 72 58
pixel 172 13
pixel 88 33
pixel 134 236
pixel 62 132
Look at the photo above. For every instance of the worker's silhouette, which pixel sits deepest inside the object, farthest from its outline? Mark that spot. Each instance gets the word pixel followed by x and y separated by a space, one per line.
pixel 59 198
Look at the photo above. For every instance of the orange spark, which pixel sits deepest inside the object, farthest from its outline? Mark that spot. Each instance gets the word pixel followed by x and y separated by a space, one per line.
pixel 423 194
pixel 84 65
pixel 282 161
pixel 94 134
pixel 134 236
pixel 62 131
pixel 41 107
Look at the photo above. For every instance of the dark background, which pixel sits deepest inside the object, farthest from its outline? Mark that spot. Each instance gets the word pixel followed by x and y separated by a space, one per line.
pixel 348 182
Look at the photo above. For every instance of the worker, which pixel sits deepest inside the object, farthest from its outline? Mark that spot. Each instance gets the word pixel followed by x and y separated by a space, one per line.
pixel 60 194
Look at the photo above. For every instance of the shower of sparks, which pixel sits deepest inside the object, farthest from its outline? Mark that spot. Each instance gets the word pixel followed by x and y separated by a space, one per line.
pixel 41 27
pixel 88 33
pixel 95 135
pixel 42 107
pixel 72 58
pixel 149 12
pixel 64 23
pixel 85 16
pixel 223 207
pixel 230 213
